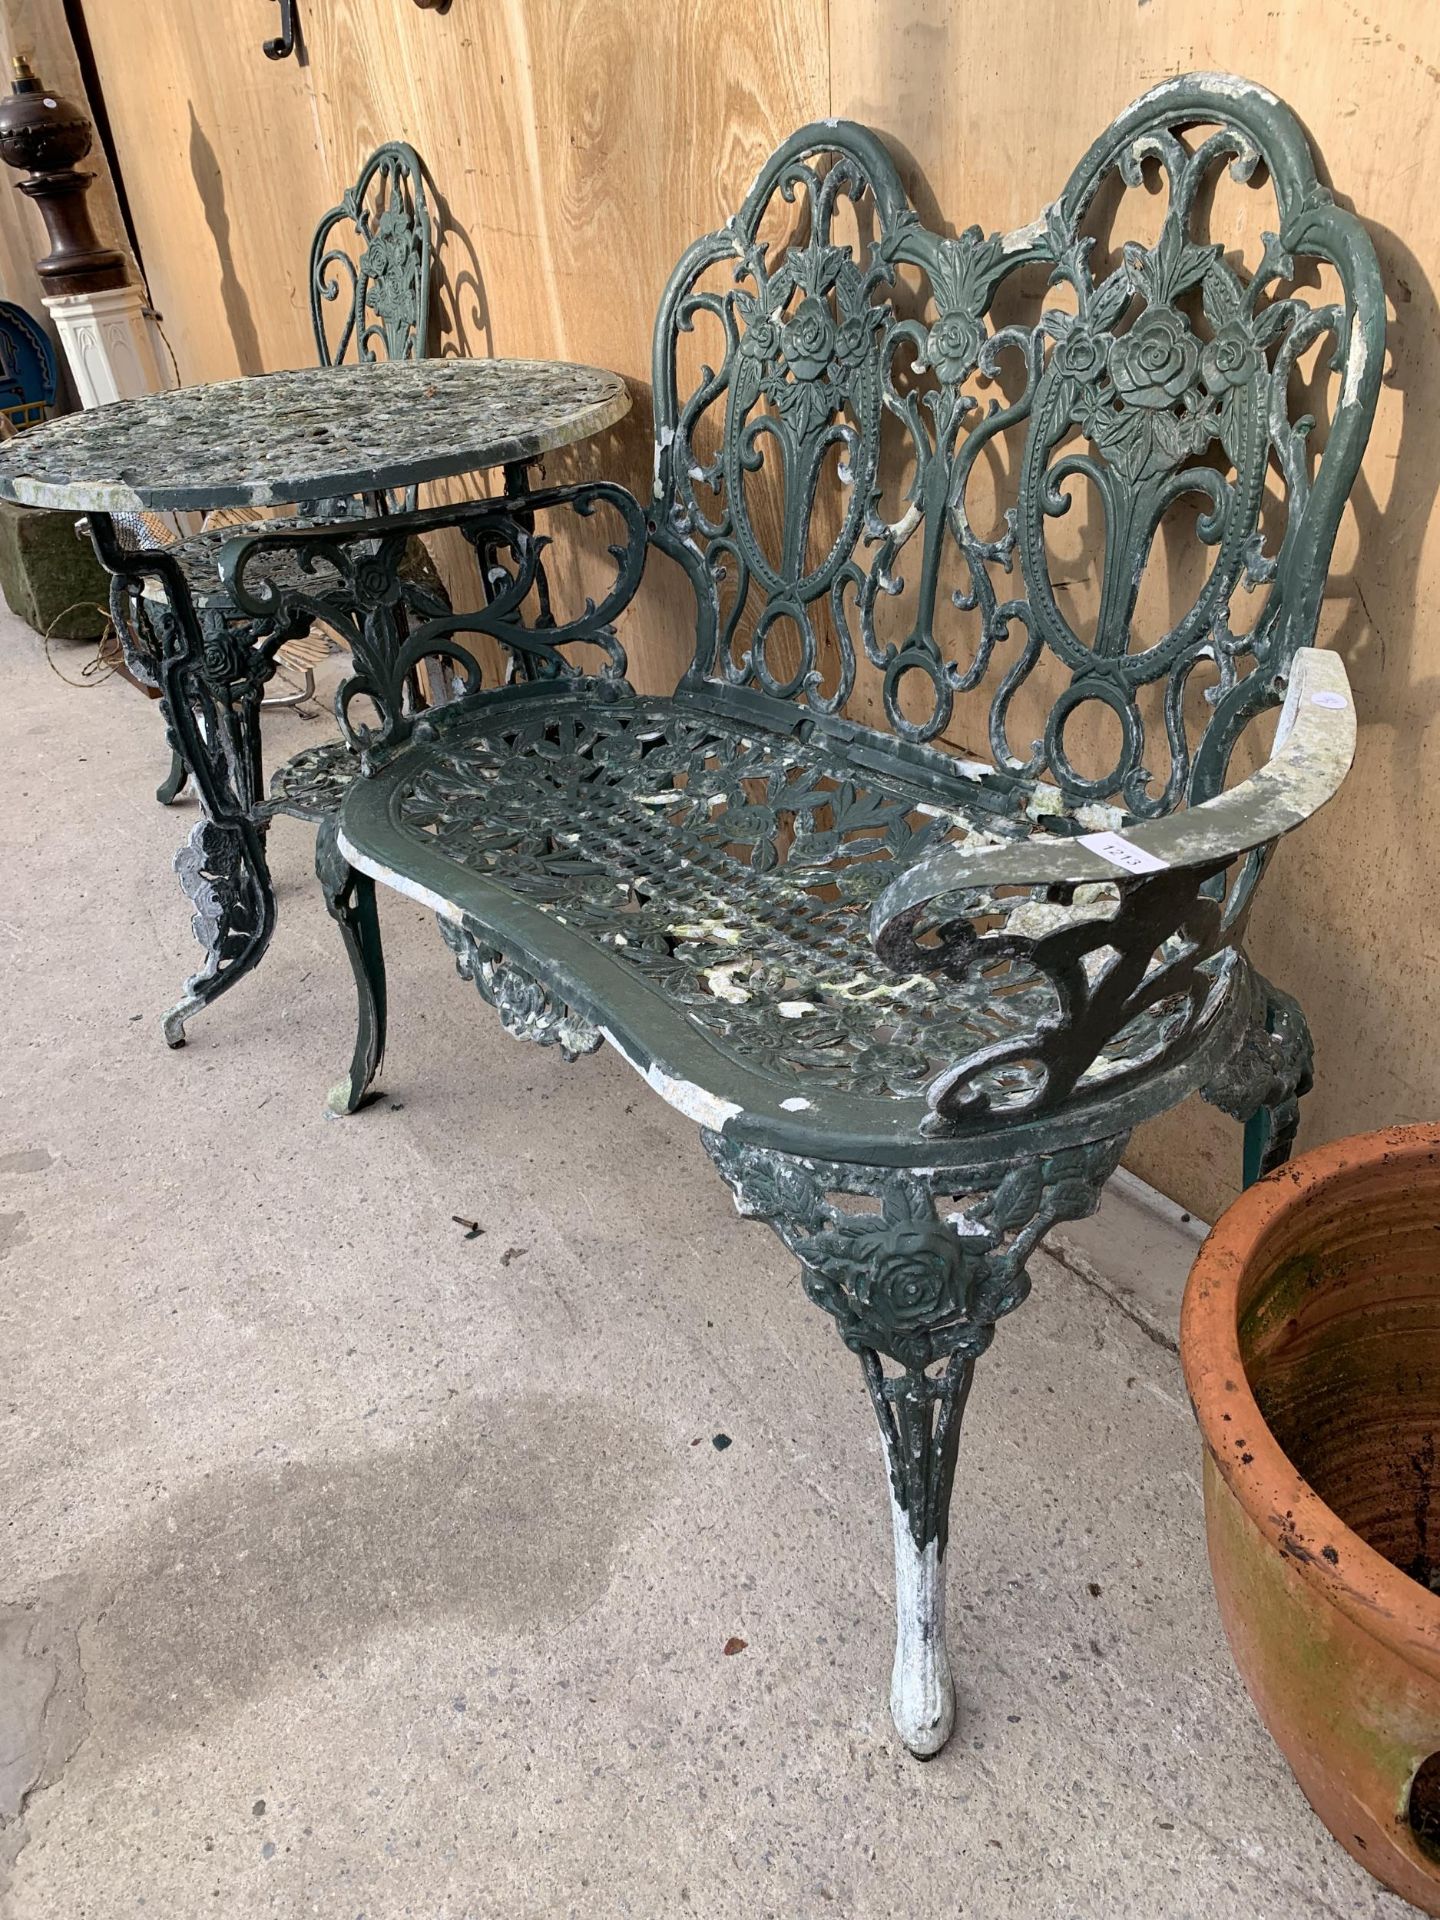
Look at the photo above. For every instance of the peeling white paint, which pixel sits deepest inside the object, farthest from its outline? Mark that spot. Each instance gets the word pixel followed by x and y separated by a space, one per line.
pixel 722 983
pixel 1044 802
pixel 1356 360
pixel 665 436
pixel 102 497
pixel 1227 85
pixel 1034 919
pixel 797 1103
pixel 400 882
pixel 968 770
pixel 706 1109
pixel 864 987
pixel 922 1692
pixel 705 930
pixel 1021 239
pixel 1097 817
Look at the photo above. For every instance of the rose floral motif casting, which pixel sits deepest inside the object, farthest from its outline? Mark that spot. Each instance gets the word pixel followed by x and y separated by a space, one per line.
pixel 809 339
pixel 390 264
pixel 1082 354
pixel 953 345
pixel 1231 359
pixel 1155 362
pixel 900 1279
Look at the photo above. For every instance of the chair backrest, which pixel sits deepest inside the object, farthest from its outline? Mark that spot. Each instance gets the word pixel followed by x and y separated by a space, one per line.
pixel 370 264
pixel 28 371
pixel 1159 379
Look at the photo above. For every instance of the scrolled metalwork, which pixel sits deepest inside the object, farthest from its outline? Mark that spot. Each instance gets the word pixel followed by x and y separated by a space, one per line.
pixel 527 1010
pixel 1134 967
pixel 378 278
pixel 882 976
pixel 361 584
pixel 1166 378
pixel 1266 1077
pixel 901 1282
pixel 211 670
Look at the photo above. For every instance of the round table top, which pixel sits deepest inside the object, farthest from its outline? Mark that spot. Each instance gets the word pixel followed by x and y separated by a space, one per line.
pixel 309 434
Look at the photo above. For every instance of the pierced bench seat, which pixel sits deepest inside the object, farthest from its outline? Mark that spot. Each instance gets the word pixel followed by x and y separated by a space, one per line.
pixel 705 890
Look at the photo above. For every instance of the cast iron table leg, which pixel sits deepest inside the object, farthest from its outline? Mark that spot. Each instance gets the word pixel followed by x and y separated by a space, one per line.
pixel 211 671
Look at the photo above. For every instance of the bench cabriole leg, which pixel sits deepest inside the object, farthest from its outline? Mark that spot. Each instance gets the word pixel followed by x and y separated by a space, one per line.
pixel 916 1297
pixel 350 899
pixel 920 1418
pixel 173 785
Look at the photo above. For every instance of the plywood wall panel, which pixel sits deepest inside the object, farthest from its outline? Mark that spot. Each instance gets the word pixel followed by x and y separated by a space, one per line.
pixel 579 145
pixel 222 165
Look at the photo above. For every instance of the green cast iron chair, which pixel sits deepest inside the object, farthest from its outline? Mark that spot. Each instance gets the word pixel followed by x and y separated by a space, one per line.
pixel 863 896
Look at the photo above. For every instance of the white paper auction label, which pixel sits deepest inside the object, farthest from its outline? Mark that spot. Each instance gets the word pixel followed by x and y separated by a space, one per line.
pixel 1122 853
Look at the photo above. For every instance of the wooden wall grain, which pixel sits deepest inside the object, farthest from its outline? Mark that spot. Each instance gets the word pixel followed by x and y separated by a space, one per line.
pixel 581 143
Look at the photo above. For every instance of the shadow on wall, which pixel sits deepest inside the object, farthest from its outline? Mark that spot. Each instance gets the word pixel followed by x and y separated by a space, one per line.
pixel 1381 654
pixel 1389 656
pixel 459 311
pixel 210 185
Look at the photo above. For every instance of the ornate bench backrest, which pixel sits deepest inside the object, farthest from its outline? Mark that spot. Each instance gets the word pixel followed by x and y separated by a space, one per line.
pixel 370 264
pixel 865 481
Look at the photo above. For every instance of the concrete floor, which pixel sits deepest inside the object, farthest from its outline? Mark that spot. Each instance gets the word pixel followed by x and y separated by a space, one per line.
pixel 356 1568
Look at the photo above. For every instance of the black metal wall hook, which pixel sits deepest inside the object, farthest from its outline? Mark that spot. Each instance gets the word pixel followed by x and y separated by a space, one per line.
pixel 285 42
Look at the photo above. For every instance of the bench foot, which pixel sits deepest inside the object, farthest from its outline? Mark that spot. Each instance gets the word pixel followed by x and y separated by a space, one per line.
pixel 916 1296
pixel 920 1415
pixel 922 1693
pixel 350 899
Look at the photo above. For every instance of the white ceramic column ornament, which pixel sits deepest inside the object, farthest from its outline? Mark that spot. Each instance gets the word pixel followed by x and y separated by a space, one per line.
pixel 109 342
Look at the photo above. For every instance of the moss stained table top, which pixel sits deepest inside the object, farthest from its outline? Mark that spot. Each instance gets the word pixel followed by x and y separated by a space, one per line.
pixel 308 434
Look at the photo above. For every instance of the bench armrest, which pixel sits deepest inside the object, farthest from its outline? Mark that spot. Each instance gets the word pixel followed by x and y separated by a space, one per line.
pixel 359 577
pixel 1120 926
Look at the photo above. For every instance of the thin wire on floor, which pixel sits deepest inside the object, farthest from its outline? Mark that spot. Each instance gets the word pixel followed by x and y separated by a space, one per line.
pixel 99 668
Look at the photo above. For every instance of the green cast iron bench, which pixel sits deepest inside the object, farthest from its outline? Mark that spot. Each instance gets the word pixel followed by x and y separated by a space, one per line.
pixel 915 972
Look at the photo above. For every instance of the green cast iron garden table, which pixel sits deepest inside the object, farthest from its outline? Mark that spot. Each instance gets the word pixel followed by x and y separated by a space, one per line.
pixel 317 436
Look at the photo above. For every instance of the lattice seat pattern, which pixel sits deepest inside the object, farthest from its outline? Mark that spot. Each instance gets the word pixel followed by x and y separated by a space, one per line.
pixel 198 558
pixel 733 871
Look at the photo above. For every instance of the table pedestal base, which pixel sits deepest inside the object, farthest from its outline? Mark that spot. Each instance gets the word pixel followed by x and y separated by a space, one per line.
pixel 210 669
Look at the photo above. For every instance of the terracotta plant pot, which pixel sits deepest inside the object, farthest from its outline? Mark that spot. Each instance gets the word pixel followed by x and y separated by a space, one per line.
pixel 1311 1345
